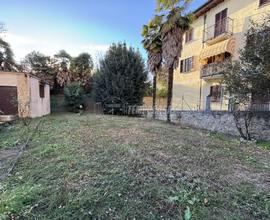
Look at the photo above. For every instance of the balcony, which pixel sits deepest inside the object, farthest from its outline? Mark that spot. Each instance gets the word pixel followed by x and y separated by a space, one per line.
pixel 212 70
pixel 220 31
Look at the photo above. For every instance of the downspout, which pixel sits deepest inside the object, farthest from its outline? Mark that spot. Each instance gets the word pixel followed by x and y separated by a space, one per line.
pixel 204 26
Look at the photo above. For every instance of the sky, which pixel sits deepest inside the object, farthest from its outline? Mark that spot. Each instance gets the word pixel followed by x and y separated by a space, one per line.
pixel 75 25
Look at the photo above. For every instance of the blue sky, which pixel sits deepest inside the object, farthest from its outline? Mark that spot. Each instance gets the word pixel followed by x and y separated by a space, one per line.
pixel 75 25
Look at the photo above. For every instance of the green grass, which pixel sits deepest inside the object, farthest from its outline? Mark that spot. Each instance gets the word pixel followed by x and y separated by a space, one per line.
pixel 106 167
pixel 16 133
pixel 264 144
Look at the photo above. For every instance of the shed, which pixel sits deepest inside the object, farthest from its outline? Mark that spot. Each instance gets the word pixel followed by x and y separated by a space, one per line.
pixel 24 94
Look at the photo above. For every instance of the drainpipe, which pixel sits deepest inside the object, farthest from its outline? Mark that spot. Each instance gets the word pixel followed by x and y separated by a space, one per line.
pixel 204 27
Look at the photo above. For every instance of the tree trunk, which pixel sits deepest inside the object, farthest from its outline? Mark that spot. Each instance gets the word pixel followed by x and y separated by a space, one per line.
pixel 170 93
pixel 154 94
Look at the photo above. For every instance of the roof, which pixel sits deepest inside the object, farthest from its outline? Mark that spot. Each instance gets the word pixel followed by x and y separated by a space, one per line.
pixel 29 74
pixel 206 7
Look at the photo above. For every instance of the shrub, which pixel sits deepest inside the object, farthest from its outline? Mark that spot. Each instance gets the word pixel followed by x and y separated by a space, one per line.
pixel 148 90
pixel 162 93
pixel 74 97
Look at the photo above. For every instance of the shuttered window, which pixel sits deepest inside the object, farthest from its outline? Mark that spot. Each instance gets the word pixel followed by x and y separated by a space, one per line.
pixel 221 20
pixel 189 36
pixel 187 65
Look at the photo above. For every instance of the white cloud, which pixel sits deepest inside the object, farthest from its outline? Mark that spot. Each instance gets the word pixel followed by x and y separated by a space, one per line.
pixel 22 45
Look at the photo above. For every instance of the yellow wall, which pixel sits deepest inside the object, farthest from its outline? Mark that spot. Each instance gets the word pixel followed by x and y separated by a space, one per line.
pixel 188 86
pixel 29 102
pixel 20 81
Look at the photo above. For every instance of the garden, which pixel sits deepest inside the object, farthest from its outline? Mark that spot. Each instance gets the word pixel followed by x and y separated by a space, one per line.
pixel 88 166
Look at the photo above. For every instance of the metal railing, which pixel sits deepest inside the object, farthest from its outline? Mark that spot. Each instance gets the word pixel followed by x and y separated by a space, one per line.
pixel 260 107
pixel 212 69
pixel 223 27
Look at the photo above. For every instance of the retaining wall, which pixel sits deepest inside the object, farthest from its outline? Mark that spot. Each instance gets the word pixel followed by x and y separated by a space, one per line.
pixel 217 121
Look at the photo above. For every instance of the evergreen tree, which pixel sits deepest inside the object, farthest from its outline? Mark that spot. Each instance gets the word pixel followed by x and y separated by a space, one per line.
pixel 121 78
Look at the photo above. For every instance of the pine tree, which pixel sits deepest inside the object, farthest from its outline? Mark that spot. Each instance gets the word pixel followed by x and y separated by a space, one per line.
pixel 121 78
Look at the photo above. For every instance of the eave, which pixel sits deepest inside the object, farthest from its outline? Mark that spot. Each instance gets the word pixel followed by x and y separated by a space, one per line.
pixel 206 7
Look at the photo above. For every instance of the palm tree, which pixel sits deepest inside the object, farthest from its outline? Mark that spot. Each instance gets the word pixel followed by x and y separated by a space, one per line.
pixel 153 45
pixel 173 28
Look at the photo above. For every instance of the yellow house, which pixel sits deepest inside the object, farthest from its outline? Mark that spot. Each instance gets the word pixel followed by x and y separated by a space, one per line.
pixel 217 33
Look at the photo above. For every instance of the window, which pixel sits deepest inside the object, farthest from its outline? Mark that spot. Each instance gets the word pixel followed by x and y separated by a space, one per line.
pixel 262 2
pixel 215 93
pixel 187 65
pixel 189 35
pixel 221 22
pixel 41 91
pixel 260 97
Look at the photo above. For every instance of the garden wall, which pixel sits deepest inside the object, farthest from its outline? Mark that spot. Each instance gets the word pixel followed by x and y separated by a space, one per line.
pixel 217 121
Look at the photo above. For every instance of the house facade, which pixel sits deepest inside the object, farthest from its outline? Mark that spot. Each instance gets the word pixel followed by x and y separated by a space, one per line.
pixel 217 33
pixel 23 94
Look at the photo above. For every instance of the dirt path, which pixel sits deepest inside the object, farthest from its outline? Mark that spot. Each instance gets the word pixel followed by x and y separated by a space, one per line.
pixel 9 157
pixel 6 159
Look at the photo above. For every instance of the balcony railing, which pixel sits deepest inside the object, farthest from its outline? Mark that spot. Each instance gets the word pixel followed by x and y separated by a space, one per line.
pixel 212 70
pixel 220 31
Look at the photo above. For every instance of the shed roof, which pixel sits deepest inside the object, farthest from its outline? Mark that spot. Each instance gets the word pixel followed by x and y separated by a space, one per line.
pixel 29 74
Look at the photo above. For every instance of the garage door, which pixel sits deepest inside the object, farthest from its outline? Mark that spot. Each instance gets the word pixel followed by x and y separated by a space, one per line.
pixel 8 100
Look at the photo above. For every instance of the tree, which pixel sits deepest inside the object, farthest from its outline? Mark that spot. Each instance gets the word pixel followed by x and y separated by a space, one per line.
pixel 40 65
pixel 173 27
pixel 248 80
pixel 121 77
pixel 62 64
pixel 7 62
pixel 81 68
pixel 153 45
pixel 74 96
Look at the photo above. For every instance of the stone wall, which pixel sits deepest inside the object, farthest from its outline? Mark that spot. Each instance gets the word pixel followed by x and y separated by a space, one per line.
pixel 23 96
pixel 217 121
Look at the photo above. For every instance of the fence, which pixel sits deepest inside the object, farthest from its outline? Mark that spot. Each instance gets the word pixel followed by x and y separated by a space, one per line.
pixel 95 108
pixel 260 107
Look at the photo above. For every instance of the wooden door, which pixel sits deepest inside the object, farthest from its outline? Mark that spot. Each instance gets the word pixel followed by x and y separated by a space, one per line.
pixel 8 100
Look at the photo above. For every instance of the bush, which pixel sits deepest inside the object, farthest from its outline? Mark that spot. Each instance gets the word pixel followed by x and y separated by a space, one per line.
pixel 162 93
pixel 74 97
pixel 148 90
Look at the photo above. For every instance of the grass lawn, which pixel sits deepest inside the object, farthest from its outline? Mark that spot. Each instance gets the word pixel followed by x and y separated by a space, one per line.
pixel 106 167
